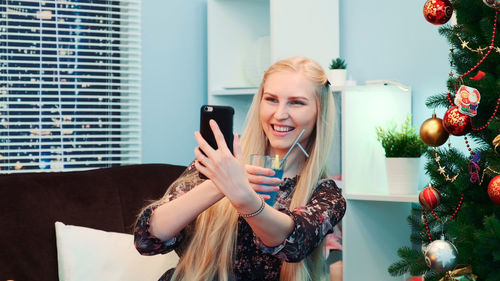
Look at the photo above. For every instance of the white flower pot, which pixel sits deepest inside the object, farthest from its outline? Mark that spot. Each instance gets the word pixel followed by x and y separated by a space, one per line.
pixel 402 175
pixel 338 77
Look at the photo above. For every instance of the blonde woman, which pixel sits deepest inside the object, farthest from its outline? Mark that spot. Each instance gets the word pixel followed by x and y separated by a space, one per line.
pixel 220 227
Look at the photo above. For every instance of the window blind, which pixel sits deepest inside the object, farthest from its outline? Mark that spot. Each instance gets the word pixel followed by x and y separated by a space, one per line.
pixel 69 84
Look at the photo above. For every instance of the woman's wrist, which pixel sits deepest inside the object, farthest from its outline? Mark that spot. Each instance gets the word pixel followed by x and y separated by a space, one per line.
pixel 261 208
pixel 251 203
pixel 212 190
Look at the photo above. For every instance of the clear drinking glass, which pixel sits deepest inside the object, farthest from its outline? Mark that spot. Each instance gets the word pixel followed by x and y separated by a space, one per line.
pixel 277 165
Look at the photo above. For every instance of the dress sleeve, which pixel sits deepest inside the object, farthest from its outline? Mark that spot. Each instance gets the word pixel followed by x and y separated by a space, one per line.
pixel 312 223
pixel 146 243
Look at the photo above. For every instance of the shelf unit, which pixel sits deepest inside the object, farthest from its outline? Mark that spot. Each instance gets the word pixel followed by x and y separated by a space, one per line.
pixel 375 224
pixel 245 37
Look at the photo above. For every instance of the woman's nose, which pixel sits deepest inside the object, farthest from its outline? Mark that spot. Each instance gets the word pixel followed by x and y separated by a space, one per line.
pixel 281 113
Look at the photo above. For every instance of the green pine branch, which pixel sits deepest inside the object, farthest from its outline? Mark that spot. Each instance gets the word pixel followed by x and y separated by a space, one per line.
pixel 437 101
pixel 412 262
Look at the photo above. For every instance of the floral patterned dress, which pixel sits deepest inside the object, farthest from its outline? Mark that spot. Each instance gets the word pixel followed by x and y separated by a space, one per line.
pixel 254 260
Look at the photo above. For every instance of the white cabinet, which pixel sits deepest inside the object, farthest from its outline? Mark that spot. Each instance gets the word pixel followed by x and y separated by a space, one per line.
pixel 375 224
pixel 244 37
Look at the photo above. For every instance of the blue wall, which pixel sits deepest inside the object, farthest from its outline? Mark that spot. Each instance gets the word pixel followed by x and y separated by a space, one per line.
pixel 379 40
pixel 391 40
pixel 173 78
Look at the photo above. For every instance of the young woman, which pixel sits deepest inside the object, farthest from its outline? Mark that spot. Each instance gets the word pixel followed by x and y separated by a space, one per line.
pixel 220 227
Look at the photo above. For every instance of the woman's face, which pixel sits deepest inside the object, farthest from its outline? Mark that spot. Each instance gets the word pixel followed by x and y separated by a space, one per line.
pixel 288 106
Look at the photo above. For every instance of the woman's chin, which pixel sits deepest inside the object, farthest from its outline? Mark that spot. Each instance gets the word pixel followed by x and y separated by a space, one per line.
pixel 281 146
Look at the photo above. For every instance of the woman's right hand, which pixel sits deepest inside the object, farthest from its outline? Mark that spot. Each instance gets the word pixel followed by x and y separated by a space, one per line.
pixel 261 180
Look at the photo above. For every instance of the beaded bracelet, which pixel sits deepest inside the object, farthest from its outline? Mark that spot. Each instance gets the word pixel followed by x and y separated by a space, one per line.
pixel 261 208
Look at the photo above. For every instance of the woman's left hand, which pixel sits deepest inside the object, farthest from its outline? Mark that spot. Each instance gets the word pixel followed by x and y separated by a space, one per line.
pixel 223 168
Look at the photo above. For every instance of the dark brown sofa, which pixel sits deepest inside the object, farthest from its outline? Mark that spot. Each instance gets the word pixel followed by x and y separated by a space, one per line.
pixel 107 199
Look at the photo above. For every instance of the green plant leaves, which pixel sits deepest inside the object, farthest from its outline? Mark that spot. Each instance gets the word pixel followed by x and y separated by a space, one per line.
pixel 402 141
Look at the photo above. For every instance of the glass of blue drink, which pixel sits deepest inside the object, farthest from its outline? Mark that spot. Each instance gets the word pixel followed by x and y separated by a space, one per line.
pixel 274 163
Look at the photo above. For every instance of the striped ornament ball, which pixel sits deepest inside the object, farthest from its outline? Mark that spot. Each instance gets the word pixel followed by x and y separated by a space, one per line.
pixel 429 198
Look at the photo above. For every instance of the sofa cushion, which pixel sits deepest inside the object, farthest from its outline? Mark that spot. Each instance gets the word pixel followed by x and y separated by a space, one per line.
pixel 107 199
pixel 89 254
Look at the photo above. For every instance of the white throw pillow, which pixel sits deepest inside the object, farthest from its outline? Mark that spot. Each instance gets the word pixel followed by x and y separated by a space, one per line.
pixel 86 254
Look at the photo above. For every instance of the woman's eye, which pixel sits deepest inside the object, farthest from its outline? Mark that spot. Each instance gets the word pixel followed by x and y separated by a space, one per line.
pixel 270 99
pixel 298 102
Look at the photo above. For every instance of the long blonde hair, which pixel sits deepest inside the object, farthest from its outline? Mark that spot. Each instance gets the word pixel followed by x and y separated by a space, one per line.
pixel 210 253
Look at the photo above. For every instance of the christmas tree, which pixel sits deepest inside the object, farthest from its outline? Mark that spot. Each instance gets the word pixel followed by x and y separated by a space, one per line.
pixel 458 219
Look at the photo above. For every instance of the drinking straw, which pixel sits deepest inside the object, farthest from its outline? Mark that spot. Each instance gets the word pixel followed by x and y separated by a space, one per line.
pixel 296 142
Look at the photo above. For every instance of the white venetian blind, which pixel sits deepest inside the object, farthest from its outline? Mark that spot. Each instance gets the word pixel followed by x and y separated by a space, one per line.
pixel 69 84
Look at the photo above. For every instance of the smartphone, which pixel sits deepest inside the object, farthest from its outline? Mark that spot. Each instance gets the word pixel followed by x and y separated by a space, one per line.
pixel 223 115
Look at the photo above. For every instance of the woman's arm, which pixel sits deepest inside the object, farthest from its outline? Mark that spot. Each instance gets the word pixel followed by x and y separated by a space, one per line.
pixel 271 225
pixel 230 176
pixel 163 225
pixel 312 223
pixel 170 218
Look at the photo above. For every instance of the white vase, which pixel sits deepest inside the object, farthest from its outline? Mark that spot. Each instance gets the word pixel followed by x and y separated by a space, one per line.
pixel 338 77
pixel 402 175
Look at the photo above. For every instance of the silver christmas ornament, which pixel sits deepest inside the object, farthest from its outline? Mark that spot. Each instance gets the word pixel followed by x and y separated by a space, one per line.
pixel 495 4
pixel 441 256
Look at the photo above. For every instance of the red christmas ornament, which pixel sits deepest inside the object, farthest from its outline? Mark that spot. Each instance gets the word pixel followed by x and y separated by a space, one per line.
pixel 494 190
pixel 429 198
pixel 480 74
pixel 457 123
pixel 438 11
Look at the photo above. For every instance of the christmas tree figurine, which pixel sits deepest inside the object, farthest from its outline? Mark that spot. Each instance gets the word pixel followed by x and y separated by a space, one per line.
pixel 469 183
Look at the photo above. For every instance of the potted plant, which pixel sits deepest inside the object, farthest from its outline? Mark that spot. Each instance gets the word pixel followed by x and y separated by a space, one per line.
pixel 403 148
pixel 338 72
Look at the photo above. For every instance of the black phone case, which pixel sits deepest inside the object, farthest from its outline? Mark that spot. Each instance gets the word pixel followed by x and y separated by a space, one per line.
pixel 223 115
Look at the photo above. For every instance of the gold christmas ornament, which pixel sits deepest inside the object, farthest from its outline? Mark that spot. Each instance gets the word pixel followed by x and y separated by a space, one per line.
pixel 496 142
pixel 464 273
pixel 432 131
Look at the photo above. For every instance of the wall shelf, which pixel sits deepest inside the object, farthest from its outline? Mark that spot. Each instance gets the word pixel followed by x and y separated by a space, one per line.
pixel 382 197
pixel 235 91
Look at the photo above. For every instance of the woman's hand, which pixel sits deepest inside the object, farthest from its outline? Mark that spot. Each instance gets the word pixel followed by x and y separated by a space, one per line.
pixel 261 180
pixel 224 169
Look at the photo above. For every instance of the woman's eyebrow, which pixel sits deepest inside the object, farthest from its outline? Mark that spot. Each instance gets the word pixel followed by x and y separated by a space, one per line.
pixel 268 93
pixel 304 98
pixel 299 98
